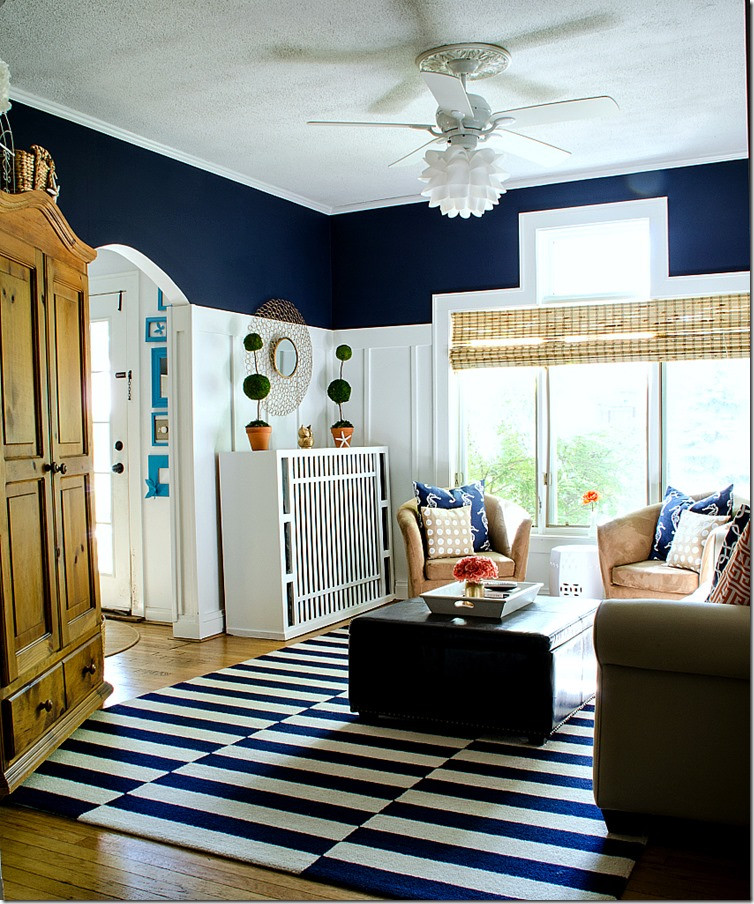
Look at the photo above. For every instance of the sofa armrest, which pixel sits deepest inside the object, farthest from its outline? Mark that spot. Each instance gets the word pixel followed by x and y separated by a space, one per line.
pixel 674 636
pixel 510 531
pixel 408 521
pixel 627 539
pixel 712 549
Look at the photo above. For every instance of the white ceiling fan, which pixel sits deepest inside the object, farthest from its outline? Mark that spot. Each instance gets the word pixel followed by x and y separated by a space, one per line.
pixel 464 120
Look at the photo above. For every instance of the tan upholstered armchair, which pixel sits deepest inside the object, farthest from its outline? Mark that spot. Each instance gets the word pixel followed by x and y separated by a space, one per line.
pixel 627 571
pixel 509 528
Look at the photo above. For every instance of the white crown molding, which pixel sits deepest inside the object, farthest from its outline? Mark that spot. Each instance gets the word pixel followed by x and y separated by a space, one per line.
pixel 106 128
pixel 557 178
pixel 376 205
pixel 83 119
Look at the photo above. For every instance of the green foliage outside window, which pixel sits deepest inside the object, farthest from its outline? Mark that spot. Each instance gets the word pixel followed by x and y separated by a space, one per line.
pixel 512 473
pixel 589 461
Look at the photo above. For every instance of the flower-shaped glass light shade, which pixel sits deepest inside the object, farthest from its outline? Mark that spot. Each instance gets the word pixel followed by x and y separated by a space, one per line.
pixel 461 182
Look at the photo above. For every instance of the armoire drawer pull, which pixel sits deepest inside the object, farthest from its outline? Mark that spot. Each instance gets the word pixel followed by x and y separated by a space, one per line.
pixel 90 669
pixel 46 705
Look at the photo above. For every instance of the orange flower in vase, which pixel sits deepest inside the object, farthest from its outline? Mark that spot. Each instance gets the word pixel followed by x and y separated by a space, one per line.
pixel 591 497
pixel 474 570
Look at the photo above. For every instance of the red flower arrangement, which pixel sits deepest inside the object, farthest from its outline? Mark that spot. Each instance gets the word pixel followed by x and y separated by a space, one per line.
pixel 591 497
pixel 475 569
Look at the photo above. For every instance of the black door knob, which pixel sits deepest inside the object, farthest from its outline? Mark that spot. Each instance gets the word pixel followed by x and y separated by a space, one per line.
pixel 118 468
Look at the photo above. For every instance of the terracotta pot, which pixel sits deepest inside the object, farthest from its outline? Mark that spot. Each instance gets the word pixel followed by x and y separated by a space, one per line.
pixel 259 438
pixel 341 436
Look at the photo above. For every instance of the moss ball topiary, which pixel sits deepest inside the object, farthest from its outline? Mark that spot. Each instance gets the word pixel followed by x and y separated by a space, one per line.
pixel 256 386
pixel 343 352
pixel 252 343
pixel 339 391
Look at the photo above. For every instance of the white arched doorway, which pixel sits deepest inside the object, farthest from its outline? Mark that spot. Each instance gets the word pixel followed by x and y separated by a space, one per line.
pixel 131 302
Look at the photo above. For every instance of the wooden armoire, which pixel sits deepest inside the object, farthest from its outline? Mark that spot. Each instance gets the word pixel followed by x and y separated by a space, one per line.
pixel 51 642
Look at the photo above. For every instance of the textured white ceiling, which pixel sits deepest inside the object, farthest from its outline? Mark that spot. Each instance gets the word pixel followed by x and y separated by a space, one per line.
pixel 232 82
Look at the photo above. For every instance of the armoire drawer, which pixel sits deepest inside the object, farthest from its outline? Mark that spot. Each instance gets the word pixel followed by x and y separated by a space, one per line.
pixel 84 671
pixel 28 714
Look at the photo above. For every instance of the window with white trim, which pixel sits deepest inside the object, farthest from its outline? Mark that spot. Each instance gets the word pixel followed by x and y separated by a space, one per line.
pixel 556 400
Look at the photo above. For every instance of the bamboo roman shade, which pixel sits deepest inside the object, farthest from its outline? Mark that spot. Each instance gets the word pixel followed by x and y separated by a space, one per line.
pixel 666 329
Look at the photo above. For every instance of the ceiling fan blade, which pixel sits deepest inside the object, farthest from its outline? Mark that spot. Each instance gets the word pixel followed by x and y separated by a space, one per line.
pixel 382 125
pixel 448 92
pixel 562 111
pixel 402 161
pixel 529 148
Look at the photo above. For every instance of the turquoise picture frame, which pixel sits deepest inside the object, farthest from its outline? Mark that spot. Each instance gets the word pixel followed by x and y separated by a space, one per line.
pixel 160 378
pixel 160 428
pixel 156 329
pixel 155 464
pixel 161 306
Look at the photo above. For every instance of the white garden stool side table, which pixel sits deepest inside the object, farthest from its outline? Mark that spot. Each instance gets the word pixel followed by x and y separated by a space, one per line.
pixel 575 571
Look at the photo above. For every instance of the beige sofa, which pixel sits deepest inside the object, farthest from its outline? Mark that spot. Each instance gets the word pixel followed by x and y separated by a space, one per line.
pixel 509 530
pixel 672 727
pixel 627 571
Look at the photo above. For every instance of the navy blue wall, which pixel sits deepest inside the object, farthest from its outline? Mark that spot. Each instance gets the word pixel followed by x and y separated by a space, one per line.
pixel 226 245
pixel 387 263
pixel 233 247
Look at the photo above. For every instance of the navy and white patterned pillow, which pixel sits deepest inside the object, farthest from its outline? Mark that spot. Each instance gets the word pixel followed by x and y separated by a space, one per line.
pixel 737 525
pixel 674 504
pixel 471 494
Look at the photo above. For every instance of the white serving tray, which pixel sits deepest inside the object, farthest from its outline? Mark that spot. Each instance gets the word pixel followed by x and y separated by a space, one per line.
pixel 501 598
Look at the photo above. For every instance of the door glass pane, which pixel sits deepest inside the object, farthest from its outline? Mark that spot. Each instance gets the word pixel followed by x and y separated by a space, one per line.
pixel 102 460
pixel 99 330
pixel 101 396
pixel 708 425
pixel 598 439
pixel 104 534
pixel 103 497
pixel 499 411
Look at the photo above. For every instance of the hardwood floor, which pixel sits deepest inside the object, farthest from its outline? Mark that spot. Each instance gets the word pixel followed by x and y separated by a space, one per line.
pixel 50 858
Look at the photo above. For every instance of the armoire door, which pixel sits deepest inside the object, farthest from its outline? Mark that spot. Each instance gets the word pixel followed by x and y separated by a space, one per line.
pixel 27 542
pixel 71 449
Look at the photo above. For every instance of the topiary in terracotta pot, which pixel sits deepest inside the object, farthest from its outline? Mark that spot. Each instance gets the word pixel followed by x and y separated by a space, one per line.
pixel 339 391
pixel 257 387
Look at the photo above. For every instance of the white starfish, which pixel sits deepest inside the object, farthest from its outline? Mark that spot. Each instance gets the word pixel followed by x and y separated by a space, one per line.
pixel 343 440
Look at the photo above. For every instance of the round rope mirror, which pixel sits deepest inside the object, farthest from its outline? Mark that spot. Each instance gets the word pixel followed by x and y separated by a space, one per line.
pixel 286 359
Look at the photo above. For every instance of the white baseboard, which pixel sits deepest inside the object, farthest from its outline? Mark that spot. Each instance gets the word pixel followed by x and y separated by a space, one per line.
pixel 158 614
pixel 199 627
pixel 401 590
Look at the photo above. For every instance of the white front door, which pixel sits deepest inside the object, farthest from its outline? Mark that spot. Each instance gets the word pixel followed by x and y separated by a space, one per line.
pixel 111 383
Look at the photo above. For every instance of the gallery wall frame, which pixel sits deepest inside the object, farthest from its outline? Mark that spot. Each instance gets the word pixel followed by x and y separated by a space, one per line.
pixel 158 481
pixel 160 428
pixel 160 377
pixel 156 329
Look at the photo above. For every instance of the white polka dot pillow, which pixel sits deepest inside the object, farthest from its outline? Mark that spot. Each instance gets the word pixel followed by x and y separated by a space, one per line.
pixel 691 534
pixel 448 532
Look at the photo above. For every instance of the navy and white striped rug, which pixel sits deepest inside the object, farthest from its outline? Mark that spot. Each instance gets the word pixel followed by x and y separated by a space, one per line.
pixel 264 762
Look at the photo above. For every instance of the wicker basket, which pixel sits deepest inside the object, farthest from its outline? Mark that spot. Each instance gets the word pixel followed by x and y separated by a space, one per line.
pixel 35 169
pixel 24 163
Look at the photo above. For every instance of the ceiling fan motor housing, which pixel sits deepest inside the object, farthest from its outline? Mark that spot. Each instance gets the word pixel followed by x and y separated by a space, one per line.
pixel 465 131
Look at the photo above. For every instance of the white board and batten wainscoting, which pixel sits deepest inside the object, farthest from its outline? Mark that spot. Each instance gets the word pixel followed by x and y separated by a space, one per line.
pixel 306 538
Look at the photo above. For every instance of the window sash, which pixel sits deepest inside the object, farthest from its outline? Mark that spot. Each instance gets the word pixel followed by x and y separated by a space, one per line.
pixel 669 329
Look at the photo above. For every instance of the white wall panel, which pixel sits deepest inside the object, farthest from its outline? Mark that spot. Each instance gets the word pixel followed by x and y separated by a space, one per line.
pixel 391 402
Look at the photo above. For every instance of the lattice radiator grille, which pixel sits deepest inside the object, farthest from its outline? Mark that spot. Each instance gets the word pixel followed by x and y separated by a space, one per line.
pixel 339 541
pixel 306 537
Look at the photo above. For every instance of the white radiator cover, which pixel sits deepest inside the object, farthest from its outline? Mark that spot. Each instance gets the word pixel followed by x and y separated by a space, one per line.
pixel 306 538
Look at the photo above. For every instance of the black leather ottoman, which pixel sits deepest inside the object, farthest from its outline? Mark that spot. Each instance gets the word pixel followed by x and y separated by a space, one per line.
pixel 524 674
